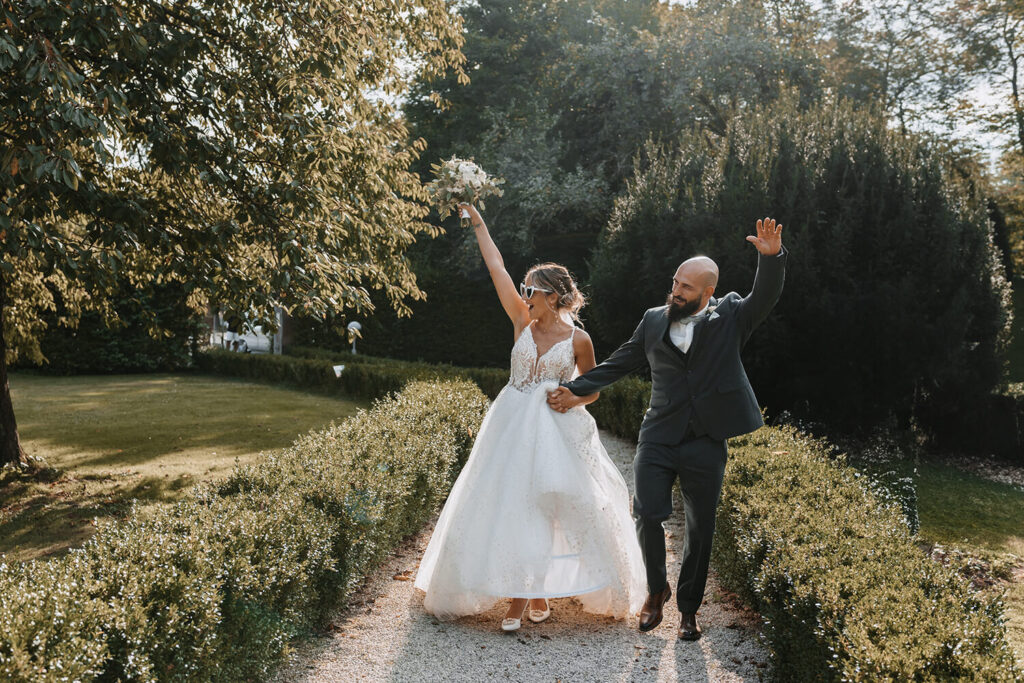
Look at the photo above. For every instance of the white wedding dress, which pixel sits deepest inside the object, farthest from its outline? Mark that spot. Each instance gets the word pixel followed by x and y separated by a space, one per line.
pixel 539 510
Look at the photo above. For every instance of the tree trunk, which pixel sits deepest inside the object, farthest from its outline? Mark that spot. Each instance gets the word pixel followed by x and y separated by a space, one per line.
pixel 10 444
pixel 1010 40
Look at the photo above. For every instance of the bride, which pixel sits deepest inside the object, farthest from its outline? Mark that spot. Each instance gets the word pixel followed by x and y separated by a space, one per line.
pixel 539 511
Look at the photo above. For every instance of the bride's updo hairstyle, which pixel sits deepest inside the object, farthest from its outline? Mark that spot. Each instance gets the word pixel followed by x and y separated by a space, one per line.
pixel 557 278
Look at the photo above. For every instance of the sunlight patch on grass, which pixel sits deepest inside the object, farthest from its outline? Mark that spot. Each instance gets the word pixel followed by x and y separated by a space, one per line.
pixel 963 510
pixel 957 507
pixel 144 437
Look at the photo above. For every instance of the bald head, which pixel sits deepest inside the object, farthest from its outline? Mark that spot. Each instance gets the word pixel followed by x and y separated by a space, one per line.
pixel 701 270
pixel 692 286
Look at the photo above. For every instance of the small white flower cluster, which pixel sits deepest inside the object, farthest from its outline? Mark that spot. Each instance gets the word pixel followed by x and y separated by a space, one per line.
pixel 461 181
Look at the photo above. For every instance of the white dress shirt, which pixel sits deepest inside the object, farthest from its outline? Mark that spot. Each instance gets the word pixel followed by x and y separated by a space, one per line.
pixel 681 331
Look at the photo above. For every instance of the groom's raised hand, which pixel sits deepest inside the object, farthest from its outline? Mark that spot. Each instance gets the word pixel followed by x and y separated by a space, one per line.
pixel 769 237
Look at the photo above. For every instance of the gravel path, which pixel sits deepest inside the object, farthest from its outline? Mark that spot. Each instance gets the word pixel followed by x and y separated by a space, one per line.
pixel 384 635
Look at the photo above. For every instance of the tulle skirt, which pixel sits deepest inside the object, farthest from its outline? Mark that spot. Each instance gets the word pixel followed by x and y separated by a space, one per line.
pixel 539 511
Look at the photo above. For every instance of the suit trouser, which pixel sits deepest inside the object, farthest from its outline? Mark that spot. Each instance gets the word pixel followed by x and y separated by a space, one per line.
pixel 700 464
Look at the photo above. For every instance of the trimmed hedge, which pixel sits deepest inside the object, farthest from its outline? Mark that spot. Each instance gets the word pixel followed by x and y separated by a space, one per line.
pixel 363 377
pixel 844 592
pixel 830 565
pixel 620 409
pixel 215 586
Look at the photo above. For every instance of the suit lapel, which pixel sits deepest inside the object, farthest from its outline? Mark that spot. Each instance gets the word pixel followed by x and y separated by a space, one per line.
pixel 698 328
pixel 666 339
pixel 660 327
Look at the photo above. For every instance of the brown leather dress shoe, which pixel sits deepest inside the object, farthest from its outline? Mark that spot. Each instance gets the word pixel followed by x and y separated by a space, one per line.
pixel 651 612
pixel 688 628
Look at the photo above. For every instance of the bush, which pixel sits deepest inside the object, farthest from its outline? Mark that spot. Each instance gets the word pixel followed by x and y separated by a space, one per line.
pixel 620 409
pixel 214 587
pixel 125 345
pixel 894 296
pixel 460 320
pixel 363 377
pixel 844 592
pixel 993 425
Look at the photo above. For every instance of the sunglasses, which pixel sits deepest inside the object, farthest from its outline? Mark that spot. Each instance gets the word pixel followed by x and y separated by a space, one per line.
pixel 527 291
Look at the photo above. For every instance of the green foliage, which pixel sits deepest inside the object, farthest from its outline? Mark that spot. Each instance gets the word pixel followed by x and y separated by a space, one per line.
pixel 989 35
pixel 460 321
pixel 1016 350
pixel 124 343
pixel 258 162
pixel 563 94
pixel 214 587
pixel 988 425
pixel 248 152
pixel 621 407
pixel 844 592
pixel 363 377
pixel 894 295
pixel 51 626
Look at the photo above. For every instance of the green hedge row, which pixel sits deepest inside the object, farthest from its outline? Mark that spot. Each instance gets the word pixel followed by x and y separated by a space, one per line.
pixel 214 587
pixel 363 377
pixel 844 592
pixel 830 565
pixel 620 409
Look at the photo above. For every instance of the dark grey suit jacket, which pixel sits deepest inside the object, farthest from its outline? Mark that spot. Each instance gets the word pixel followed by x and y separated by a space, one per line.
pixel 708 382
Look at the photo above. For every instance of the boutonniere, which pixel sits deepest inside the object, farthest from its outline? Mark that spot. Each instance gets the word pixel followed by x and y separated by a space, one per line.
pixel 711 313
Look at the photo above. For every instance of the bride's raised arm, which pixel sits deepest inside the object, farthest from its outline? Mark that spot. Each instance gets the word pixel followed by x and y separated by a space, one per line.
pixel 513 304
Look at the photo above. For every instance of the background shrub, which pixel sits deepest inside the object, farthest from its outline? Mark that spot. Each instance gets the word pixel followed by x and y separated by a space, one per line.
pixel 894 296
pixel 363 377
pixel 620 409
pixel 214 587
pixel 844 592
pixel 125 344
pixel 991 425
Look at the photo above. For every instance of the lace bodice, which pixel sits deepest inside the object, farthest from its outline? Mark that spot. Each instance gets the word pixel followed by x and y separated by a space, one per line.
pixel 558 364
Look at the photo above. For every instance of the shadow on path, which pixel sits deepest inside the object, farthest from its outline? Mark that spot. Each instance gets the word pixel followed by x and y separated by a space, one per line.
pixel 385 635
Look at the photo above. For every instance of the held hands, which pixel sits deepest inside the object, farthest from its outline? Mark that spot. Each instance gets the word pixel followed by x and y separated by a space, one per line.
pixel 769 237
pixel 562 400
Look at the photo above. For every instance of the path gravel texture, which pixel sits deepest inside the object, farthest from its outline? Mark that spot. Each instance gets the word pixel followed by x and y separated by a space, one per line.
pixel 384 634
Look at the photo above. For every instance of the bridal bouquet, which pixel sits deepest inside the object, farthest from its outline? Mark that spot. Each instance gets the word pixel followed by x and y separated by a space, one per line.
pixel 461 181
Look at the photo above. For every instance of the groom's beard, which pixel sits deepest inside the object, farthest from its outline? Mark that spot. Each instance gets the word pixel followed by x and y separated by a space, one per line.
pixel 678 311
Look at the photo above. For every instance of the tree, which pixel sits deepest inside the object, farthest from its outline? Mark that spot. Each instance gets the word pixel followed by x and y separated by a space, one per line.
pixel 1009 193
pixel 895 298
pixel 991 36
pixel 249 152
pixel 897 54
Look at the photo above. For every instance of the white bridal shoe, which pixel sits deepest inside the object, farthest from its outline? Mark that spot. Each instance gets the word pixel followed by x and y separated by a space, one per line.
pixel 539 615
pixel 510 624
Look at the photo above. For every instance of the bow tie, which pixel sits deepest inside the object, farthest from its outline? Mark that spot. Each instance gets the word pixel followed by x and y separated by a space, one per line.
pixel 691 318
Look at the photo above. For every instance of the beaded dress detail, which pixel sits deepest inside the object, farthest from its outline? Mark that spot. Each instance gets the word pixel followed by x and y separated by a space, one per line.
pixel 539 510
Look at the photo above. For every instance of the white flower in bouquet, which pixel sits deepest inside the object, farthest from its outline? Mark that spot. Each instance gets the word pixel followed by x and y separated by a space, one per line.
pixel 461 181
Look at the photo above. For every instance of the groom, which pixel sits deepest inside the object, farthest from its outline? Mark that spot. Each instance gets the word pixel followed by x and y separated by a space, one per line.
pixel 700 397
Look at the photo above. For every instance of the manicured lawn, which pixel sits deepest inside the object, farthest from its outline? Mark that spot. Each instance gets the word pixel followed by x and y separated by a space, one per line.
pixel 148 437
pixel 963 510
